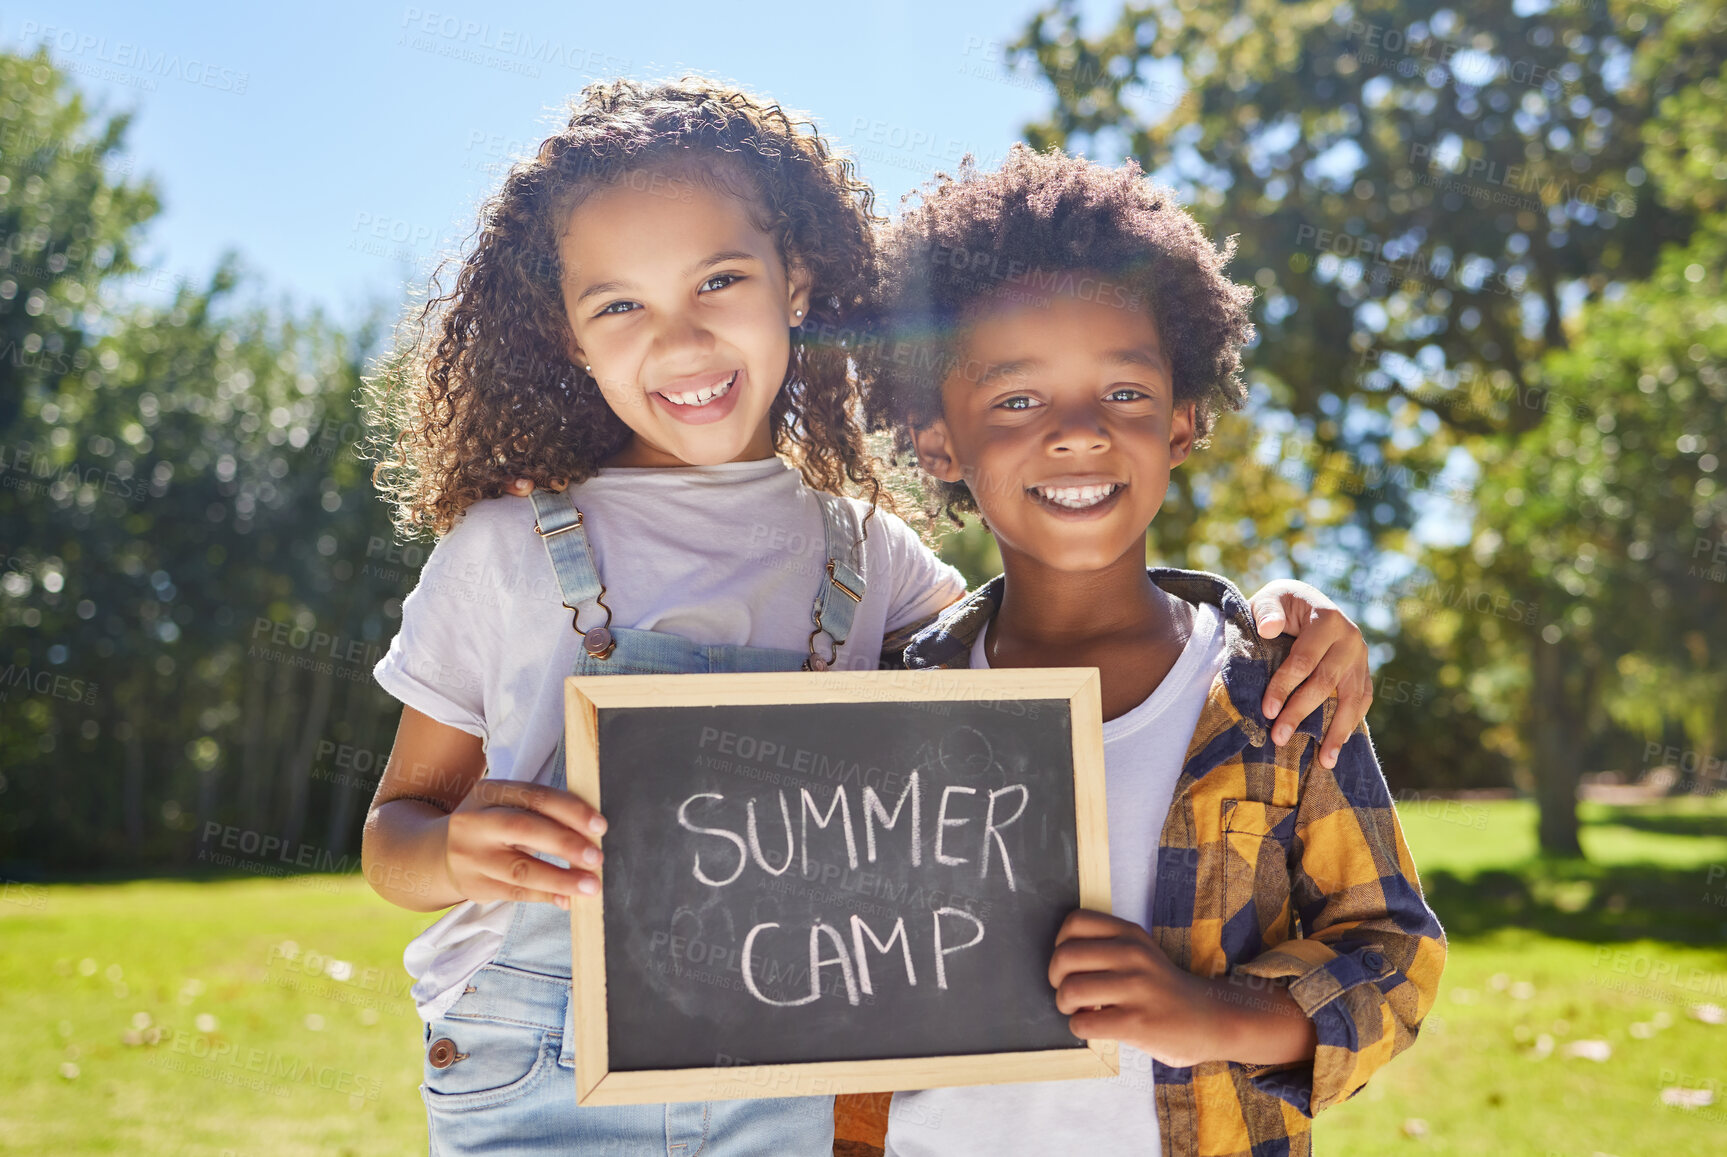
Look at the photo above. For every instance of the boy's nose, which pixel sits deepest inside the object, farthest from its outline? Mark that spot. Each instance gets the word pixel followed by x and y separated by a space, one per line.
pixel 1078 431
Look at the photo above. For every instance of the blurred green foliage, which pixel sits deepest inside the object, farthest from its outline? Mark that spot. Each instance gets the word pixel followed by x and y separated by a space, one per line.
pixel 1488 258
pixel 196 579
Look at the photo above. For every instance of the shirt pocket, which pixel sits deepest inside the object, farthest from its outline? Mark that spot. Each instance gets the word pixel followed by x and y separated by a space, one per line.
pixel 1256 843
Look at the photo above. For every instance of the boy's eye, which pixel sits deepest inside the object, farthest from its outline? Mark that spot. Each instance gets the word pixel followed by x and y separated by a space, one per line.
pixel 1128 394
pixel 1017 402
pixel 723 280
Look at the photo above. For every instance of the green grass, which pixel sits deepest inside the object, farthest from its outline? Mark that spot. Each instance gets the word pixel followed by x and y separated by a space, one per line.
pixel 338 1060
pixel 1548 954
pixel 1543 955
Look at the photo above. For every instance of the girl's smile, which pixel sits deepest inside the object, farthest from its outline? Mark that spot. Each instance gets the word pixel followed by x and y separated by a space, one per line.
pixel 700 399
pixel 700 390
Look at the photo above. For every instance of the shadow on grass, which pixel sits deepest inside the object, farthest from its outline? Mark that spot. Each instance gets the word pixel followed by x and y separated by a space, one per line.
pixel 1702 826
pixel 1579 900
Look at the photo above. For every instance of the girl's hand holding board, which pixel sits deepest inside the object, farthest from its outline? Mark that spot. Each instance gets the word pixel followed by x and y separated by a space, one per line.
pixel 467 837
pixel 498 824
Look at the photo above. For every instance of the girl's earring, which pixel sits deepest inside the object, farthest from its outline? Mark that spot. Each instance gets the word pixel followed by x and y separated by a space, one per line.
pixel 800 313
pixel 590 369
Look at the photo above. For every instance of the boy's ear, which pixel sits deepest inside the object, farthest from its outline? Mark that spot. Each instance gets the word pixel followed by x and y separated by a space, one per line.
pixel 797 294
pixel 934 446
pixel 1181 424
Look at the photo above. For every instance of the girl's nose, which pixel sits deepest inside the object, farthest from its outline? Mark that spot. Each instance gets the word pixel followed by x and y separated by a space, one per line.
pixel 683 334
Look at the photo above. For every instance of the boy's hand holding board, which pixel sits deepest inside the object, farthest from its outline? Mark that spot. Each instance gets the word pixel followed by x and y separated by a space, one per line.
pixel 845 884
pixel 1117 984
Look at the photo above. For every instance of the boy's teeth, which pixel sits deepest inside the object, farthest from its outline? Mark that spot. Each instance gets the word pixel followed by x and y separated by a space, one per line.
pixel 702 396
pixel 1077 497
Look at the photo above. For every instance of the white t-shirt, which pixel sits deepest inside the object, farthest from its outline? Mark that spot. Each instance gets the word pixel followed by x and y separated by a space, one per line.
pixel 1143 752
pixel 717 554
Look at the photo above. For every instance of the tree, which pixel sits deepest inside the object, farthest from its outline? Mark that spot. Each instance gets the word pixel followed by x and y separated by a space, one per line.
pixel 1610 512
pixel 196 575
pixel 66 225
pixel 1423 192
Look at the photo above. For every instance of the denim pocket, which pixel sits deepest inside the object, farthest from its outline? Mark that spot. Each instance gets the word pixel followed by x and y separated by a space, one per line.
pixel 502 1062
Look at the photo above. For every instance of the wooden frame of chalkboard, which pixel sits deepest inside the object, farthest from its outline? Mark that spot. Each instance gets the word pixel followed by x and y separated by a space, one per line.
pixel 654 706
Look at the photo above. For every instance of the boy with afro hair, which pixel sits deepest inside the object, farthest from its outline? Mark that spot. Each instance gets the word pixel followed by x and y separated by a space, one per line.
pixel 1057 336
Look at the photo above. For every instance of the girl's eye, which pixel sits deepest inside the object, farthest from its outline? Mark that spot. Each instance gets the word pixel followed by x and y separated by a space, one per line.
pixel 724 279
pixel 617 307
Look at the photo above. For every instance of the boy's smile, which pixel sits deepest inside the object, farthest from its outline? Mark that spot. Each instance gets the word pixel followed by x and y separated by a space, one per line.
pixel 1077 497
pixel 1060 418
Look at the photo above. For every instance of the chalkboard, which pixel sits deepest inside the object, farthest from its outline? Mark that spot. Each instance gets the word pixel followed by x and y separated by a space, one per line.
pixel 832 883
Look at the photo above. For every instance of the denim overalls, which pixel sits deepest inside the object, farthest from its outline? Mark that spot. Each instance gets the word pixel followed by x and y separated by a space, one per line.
pixel 500 1063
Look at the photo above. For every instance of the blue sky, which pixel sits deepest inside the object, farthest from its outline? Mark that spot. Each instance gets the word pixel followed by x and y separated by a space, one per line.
pixel 339 147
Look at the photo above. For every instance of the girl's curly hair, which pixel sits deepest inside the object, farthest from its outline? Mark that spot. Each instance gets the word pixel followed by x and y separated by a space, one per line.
pixel 480 389
pixel 1012 236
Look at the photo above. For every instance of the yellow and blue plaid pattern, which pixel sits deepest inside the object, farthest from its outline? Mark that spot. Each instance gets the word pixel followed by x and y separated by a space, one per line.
pixel 1271 867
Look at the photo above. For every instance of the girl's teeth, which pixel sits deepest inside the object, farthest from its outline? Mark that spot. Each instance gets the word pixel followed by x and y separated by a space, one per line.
pixel 703 396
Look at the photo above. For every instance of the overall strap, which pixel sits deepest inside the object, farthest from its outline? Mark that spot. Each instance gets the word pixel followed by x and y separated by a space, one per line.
pixel 559 525
pixel 842 587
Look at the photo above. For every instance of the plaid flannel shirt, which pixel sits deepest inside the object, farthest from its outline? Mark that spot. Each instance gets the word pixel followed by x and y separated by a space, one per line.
pixel 1270 866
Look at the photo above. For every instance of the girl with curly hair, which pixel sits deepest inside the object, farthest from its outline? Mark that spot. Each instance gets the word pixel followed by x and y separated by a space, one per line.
pixel 655 312
pixel 631 416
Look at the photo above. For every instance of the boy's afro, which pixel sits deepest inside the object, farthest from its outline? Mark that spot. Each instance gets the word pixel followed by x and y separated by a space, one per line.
pixel 1010 237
